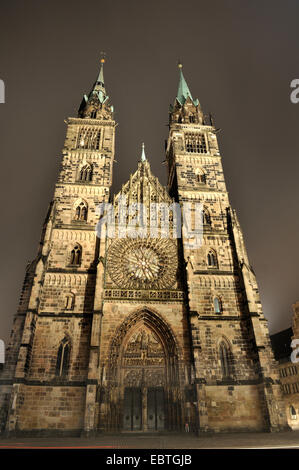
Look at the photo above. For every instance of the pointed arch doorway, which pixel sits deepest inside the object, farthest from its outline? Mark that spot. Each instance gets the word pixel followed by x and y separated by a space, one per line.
pixel 143 375
pixel 147 379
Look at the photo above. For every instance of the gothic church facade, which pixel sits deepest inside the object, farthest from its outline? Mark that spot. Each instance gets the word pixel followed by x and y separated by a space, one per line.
pixel 139 333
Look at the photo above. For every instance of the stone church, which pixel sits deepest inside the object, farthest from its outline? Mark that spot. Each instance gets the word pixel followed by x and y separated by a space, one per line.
pixel 139 333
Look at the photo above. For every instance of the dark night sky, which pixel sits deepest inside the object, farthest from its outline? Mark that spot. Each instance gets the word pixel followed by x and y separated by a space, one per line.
pixel 239 59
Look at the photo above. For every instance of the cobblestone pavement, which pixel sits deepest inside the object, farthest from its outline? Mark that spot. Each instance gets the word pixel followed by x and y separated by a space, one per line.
pixel 161 441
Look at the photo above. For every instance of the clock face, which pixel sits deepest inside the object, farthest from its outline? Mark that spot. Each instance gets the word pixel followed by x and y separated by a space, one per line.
pixel 142 264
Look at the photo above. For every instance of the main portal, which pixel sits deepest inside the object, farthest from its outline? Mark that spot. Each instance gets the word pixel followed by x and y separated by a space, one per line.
pixel 144 410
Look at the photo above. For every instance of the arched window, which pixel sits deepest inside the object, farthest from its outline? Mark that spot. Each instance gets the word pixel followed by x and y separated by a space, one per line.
pixel 69 301
pixel 201 178
pixel 217 305
pixel 212 259
pixel 225 360
pixel 84 213
pixel 293 412
pixel 89 138
pixel 85 173
pixel 195 143
pixel 81 211
pixel 191 118
pixel 97 140
pixel 206 218
pixel 63 358
pixel 76 254
pixel 84 138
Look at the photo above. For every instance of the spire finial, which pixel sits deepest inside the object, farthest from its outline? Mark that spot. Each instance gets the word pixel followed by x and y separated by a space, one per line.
pixel 101 74
pixel 143 157
pixel 103 57
pixel 180 65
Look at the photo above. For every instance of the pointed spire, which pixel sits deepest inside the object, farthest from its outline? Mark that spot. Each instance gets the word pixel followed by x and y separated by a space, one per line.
pixel 143 157
pixel 183 89
pixel 99 86
pixel 100 80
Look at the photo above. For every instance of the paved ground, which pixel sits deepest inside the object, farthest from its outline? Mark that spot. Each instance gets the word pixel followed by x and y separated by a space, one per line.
pixel 160 441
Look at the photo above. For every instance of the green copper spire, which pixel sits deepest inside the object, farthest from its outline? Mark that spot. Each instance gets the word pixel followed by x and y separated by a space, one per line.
pixel 99 86
pixel 100 80
pixel 143 157
pixel 183 90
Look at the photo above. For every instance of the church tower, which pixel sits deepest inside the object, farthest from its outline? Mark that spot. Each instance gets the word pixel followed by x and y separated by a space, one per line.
pixel 235 375
pixel 49 350
pixel 125 324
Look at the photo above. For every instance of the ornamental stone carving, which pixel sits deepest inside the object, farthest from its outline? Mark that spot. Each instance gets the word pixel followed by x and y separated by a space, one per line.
pixel 143 263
